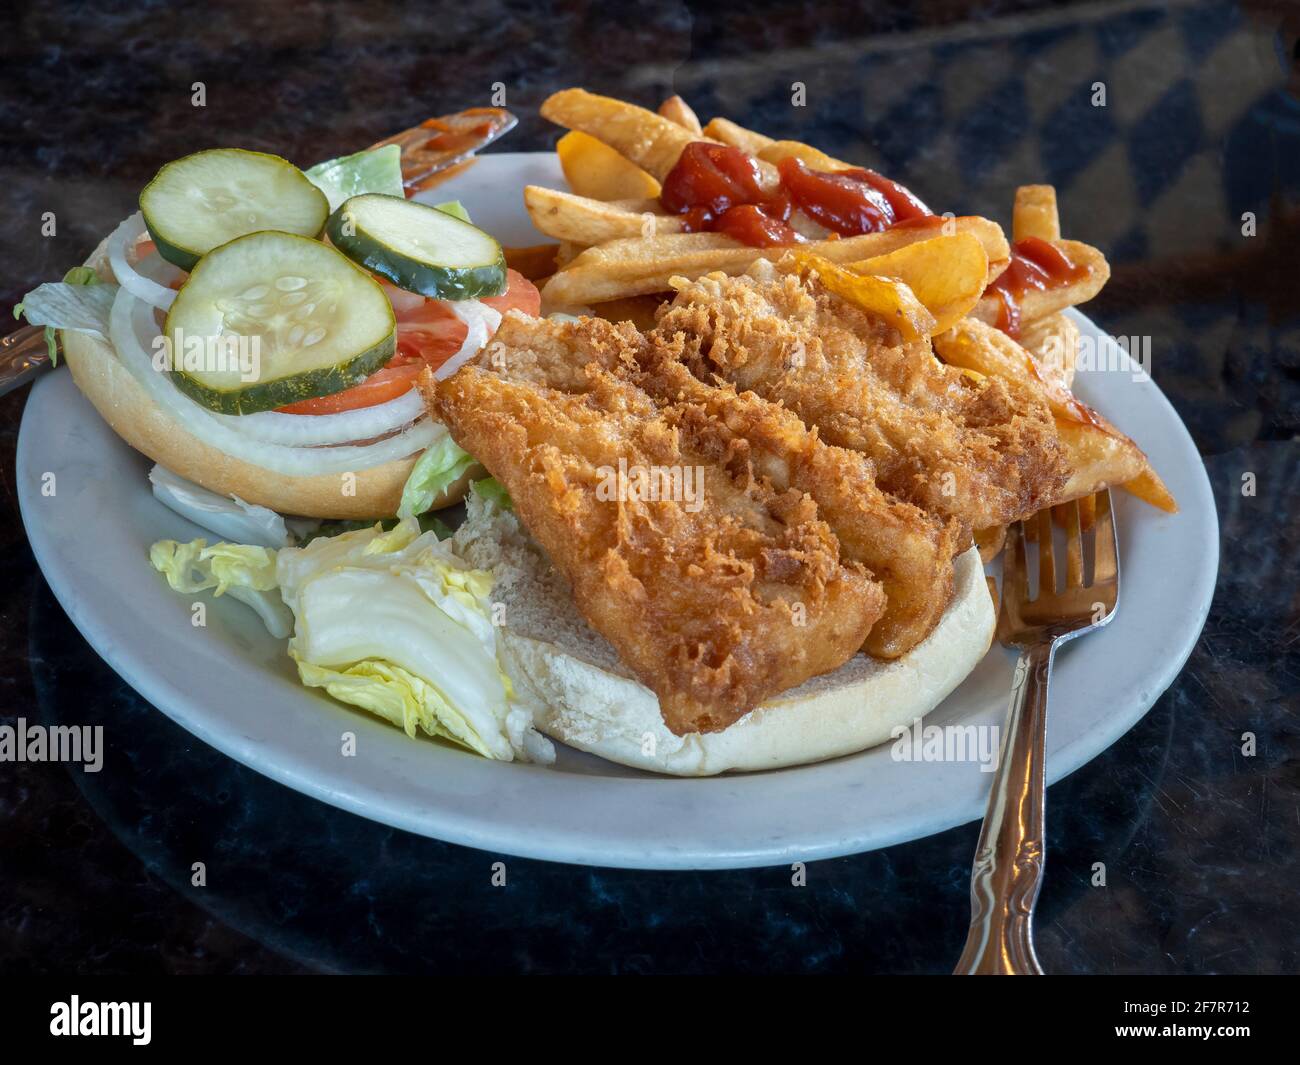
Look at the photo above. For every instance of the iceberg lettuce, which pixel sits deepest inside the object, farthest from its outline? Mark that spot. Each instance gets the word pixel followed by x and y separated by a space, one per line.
pixel 80 302
pixel 390 620
pixel 492 491
pixel 245 572
pixel 441 465
pixel 372 170
pixel 393 621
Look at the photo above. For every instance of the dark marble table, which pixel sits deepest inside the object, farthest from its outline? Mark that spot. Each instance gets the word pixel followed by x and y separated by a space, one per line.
pixel 1201 124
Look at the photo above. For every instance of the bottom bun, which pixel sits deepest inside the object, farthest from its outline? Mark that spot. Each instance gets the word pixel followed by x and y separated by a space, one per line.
pixel 125 405
pixel 581 695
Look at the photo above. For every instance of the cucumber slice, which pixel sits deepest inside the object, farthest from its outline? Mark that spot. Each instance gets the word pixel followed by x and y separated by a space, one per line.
pixel 418 248
pixel 206 199
pixel 272 318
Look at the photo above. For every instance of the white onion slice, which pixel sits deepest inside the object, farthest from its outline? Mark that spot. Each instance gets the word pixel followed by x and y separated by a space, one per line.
pixel 306 430
pixel 481 322
pixel 128 277
pixel 132 327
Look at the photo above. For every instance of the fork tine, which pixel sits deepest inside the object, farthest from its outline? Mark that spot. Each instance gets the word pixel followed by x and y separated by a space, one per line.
pixel 1087 512
pixel 1014 579
pixel 1046 558
pixel 1105 566
pixel 1073 544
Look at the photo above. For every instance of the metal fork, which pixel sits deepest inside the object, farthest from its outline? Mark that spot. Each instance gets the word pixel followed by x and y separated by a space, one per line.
pixel 1008 868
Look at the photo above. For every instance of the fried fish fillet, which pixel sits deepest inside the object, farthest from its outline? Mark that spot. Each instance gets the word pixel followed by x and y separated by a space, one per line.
pixel 716 593
pixel 964 449
pixel 907 550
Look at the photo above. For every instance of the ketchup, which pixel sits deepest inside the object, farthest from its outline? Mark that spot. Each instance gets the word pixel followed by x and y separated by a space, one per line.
pixel 458 140
pixel 718 188
pixel 842 202
pixel 752 225
pixel 1035 264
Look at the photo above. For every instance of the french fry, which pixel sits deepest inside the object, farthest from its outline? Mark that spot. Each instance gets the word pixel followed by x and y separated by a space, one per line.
pixel 1035 304
pixel 1097 460
pixel 948 274
pixel 643 138
pixel 566 253
pixel 725 131
pixel 881 297
pixel 1054 342
pixel 776 151
pixel 534 262
pixel 975 345
pixel 636 267
pixel 596 170
pixel 1149 488
pixel 675 109
pixel 1099 455
pixel 1035 213
pixel 586 221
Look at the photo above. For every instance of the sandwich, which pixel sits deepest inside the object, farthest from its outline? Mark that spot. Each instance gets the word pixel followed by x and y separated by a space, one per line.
pixel 258 330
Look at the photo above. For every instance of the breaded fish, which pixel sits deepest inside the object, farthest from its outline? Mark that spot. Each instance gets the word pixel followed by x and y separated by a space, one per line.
pixel 961 448
pixel 907 550
pixel 717 593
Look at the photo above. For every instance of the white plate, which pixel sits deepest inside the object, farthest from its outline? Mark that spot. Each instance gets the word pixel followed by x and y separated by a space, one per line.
pixel 235 689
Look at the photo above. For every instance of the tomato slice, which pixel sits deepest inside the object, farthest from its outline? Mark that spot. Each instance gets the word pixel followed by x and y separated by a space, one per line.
pixel 381 386
pixel 427 335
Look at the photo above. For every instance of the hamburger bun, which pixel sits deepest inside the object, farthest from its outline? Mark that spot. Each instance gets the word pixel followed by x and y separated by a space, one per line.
pixel 581 695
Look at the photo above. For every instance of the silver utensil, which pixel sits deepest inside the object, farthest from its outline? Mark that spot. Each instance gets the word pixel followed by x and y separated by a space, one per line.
pixel 1008 868
pixel 23 356
pixel 429 150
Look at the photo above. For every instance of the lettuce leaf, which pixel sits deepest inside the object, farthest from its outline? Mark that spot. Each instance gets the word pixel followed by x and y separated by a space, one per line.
pixel 80 302
pixel 378 170
pixel 243 571
pixel 390 620
pixel 394 622
pixel 454 208
pixel 398 696
pixel 492 491
pixel 441 465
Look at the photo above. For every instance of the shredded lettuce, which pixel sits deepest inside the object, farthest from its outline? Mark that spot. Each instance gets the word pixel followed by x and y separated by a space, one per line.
pixel 67 305
pixel 378 170
pixel 245 572
pixel 439 467
pixel 492 491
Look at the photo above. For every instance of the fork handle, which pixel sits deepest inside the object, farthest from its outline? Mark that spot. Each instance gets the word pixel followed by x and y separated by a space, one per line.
pixel 22 357
pixel 1008 869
